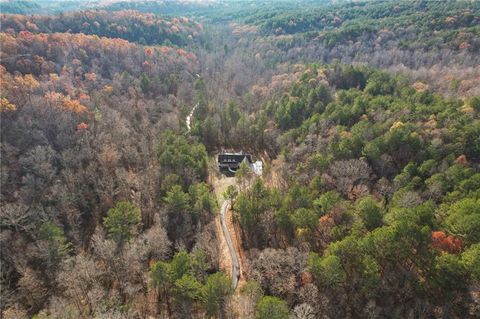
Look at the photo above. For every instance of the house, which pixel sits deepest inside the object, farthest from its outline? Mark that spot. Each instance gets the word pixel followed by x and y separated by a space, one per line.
pixel 228 163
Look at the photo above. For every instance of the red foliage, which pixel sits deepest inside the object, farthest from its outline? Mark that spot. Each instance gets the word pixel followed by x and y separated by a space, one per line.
pixel 306 278
pixel 25 34
pixel 446 243
pixel 83 96
pixel 462 160
pixel 82 126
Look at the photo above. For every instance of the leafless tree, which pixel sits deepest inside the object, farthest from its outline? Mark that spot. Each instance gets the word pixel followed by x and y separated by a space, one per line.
pixel 348 173
pixel 277 270
pixel 303 311
pixel 206 241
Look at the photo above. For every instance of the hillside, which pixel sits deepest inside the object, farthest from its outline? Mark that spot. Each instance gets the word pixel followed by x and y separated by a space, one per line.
pixel 366 116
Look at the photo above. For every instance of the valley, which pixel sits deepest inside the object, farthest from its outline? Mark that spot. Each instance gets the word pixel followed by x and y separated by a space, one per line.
pixel 132 134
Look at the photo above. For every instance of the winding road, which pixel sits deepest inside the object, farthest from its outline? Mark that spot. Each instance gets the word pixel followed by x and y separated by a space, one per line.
pixel 231 248
pixel 226 233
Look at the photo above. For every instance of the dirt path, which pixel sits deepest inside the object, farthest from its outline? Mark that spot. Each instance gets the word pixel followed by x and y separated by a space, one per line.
pixel 225 261
pixel 235 269
pixel 229 260
pixel 233 229
pixel 225 226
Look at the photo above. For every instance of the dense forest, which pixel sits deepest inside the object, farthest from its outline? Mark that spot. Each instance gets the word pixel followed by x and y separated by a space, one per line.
pixel 129 25
pixel 366 116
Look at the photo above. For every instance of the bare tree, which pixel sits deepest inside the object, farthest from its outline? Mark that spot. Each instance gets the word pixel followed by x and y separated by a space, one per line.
pixel 303 311
pixel 206 241
pixel 277 270
pixel 348 173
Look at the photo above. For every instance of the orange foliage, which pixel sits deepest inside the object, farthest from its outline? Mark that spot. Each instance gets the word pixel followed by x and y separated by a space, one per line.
pixel 446 243
pixel 116 53
pixel 148 51
pixel 54 77
pixel 27 81
pixel 181 52
pixel 74 106
pixel 164 49
pixel 326 219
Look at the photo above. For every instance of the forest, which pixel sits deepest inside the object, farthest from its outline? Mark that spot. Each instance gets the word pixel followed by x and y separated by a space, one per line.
pixel 365 114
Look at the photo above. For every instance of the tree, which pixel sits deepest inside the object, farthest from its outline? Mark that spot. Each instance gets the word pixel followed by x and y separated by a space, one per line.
pixel 144 83
pixel 122 221
pixel 186 291
pixel 243 174
pixel 305 218
pixel 278 270
pixel 348 173
pixel 250 295
pixel 327 270
pixel 80 282
pixel 464 220
pixel 450 273
pixel 202 198
pixel 446 243
pixel 177 201
pixel 303 311
pixel 326 202
pixel 370 212
pixel 471 261
pixel 272 308
pixel 214 292
pixel 56 244
pixel 231 193
pixel 157 242
pixel 474 102
pixel 160 275
pixel 180 265
pixel 182 157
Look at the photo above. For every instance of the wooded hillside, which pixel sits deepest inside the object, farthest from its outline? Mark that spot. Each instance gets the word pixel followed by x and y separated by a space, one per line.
pixel 366 116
